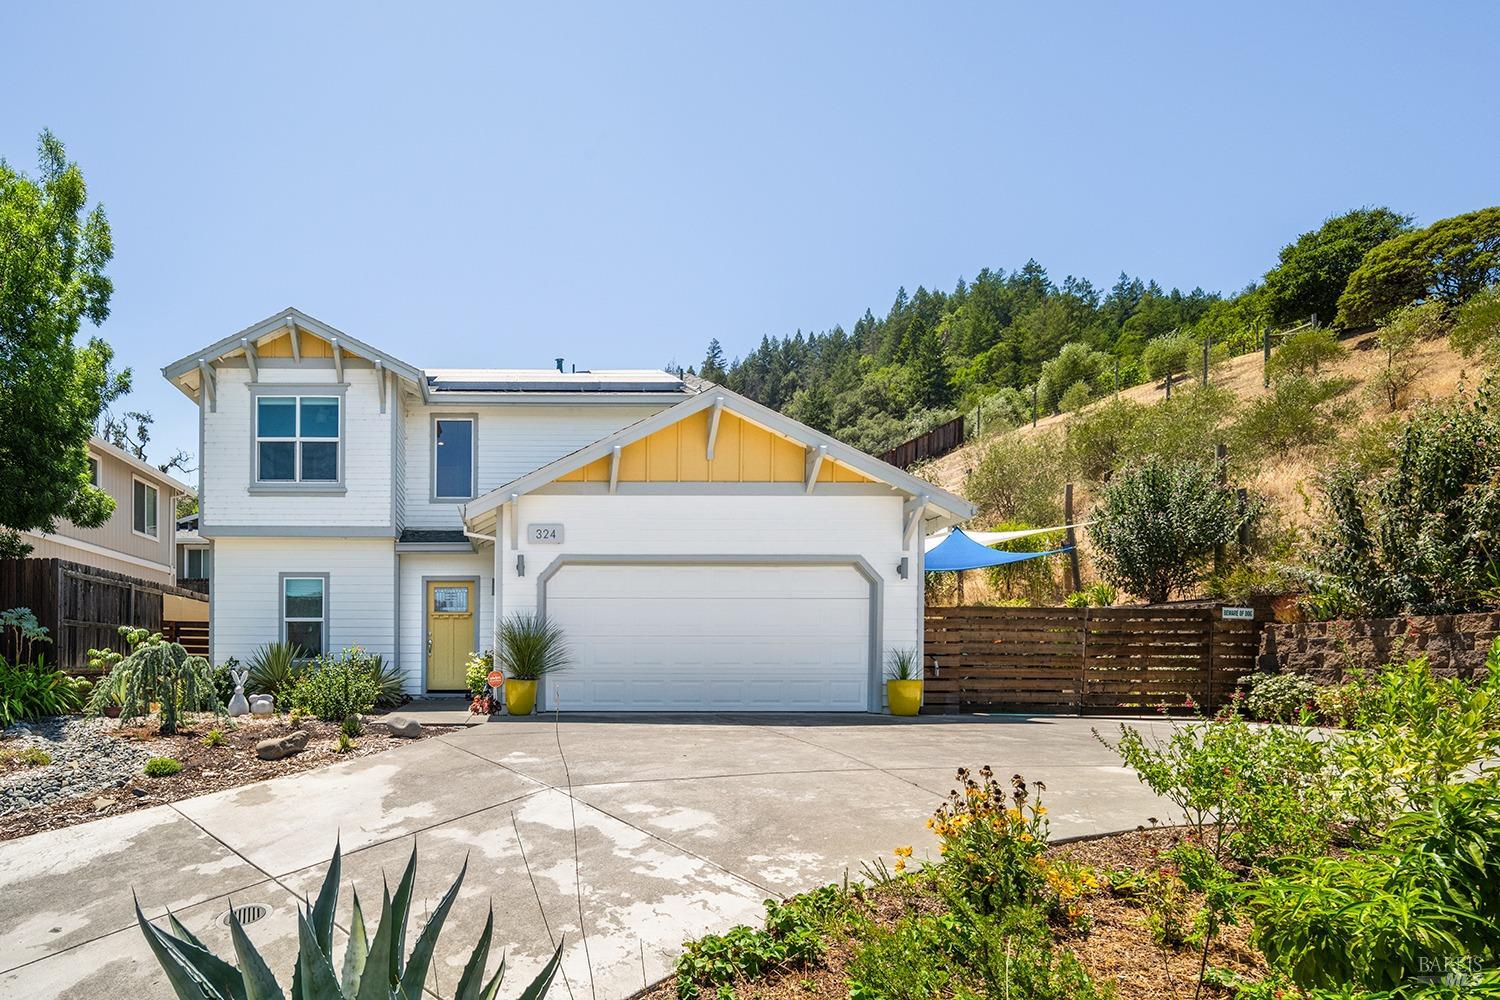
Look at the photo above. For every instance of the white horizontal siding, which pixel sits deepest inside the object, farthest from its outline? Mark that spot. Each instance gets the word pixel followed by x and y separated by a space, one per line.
pixel 228 439
pixel 514 439
pixel 246 605
pixel 444 565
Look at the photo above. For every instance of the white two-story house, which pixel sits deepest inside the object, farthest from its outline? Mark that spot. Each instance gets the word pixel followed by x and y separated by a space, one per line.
pixel 700 551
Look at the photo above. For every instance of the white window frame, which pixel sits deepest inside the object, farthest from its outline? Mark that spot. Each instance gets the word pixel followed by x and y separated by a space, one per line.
pixel 281 582
pixel 472 419
pixel 297 393
pixel 155 521
pixel 203 562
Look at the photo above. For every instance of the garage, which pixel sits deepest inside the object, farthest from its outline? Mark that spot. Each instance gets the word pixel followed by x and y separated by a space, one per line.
pixel 715 557
pixel 712 638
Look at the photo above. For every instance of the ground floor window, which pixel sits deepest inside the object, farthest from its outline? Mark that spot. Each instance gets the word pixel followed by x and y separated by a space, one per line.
pixel 304 613
pixel 195 564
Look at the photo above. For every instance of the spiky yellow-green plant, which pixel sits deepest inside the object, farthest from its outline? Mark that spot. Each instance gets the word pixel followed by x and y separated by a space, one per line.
pixel 373 968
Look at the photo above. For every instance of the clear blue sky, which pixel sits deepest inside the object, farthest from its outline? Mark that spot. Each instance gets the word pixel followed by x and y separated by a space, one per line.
pixel 471 185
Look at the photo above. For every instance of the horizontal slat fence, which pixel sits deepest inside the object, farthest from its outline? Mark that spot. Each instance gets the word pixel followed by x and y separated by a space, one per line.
pixel 192 635
pixel 1083 660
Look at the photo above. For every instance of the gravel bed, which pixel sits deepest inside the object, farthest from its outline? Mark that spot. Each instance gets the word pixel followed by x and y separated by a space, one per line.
pixel 86 759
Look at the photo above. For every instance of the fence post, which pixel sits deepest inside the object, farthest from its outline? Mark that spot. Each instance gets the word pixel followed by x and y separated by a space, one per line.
pixel 1208 700
pixel 1221 470
pixel 1033 405
pixel 1169 386
pixel 1083 664
pixel 1265 360
pixel 1070 538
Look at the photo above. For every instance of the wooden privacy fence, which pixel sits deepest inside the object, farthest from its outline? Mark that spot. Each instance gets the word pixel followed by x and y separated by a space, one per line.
pixel 82 607
pixel 934 444
pixel 1083 660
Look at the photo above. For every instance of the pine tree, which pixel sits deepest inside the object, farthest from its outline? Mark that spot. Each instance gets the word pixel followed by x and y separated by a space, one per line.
pixel 713 363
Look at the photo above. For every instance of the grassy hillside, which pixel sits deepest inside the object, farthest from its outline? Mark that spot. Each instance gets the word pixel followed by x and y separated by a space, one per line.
pixel 1015 474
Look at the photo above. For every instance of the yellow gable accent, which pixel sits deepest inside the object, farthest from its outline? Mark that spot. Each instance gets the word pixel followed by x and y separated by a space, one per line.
pixel 313 346
pixel 744 452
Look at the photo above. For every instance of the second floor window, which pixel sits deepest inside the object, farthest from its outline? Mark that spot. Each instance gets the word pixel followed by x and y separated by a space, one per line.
pixel 297 439
pixel 453 458
pixel 144 502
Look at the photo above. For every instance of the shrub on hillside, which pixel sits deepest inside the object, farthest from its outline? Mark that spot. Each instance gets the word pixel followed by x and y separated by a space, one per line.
pixel 1299 411
pixel 1304 353
pixel 1476 326
pixel 1018 480
pixel 1419 538
pixel 1157 523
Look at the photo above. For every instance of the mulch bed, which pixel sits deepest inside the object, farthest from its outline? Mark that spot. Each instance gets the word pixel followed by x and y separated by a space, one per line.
pixel 204 768
pixel 1117 951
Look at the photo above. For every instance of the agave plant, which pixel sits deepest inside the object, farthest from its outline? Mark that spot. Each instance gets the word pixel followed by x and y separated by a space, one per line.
pixel 530 647
pixel 373 969
pixel 274 669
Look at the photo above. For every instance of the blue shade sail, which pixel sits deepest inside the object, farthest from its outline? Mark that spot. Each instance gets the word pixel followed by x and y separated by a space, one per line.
pixel 961 552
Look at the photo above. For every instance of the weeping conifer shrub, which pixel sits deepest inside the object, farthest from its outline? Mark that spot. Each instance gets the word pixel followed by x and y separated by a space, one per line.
pixel 158 671
pixel 373 968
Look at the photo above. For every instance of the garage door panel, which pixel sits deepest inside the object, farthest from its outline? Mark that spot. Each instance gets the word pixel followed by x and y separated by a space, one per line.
pixel 711 638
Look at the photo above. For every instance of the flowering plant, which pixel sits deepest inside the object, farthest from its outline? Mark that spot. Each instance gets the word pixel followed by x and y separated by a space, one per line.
pixel 991 837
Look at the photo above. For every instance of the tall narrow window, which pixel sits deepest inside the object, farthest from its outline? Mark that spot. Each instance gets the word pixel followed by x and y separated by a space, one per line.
pixel 304 613
pixel 195 564
pixel 453 458
pixel 297 439
pixel 94 471
pixel 144 502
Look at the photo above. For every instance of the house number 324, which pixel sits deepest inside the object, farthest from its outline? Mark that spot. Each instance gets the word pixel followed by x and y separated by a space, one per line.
pixel 545 534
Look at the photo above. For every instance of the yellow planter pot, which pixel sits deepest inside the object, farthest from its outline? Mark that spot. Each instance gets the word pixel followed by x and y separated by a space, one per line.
pixel 520 697
pixel 904 697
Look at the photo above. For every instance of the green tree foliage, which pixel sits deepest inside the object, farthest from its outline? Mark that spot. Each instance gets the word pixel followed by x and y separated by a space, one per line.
pixel 1156 526
pixel 1400 333
pixel 1449 262
pixel 53 252
pixel 713 367
pixel 1171 355
pixel 1305 352
pixel 1314 268
pixel 1076 363
pixel 161 672
pixel 1420 538
pixel 1018 481
pixel 1476 326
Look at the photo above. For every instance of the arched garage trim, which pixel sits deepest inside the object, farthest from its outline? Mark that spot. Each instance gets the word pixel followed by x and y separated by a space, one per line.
pixel 857 563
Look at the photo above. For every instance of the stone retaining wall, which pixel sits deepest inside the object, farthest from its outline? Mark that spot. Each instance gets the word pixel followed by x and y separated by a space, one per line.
pixel 1453 644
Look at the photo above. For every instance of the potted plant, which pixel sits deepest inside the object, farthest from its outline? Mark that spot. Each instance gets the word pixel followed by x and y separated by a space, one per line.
pixel 530 648
pixel 903 683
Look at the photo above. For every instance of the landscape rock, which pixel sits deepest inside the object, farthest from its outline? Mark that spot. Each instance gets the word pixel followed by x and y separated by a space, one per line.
pixel 278 747
pixel 403 726
pixel 85 761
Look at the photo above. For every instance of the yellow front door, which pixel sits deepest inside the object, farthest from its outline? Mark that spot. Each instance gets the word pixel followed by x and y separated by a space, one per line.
pixel 450 632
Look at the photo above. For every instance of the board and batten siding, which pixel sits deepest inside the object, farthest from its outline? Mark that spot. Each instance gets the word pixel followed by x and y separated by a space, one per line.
pixel 228 440
pixel 714 525
pixel 246 606
pixel 417 566
pixel 514 439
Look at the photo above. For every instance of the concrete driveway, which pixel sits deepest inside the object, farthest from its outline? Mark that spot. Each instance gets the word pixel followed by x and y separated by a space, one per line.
pixel 683 826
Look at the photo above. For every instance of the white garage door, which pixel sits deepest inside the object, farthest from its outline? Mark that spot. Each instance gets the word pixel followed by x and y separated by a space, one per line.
pixel 706 638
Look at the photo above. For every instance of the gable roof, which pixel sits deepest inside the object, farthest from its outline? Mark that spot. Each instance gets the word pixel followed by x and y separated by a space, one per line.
pixel 711 395
pixel 279 323
pixel 141 467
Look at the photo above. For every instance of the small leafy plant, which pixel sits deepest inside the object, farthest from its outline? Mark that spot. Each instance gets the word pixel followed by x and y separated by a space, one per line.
pixel 791 938
pixel 1280 697
pixel 346 743
pixel 373 967
pixel 991 837
pixel 477 672
pixel 162 767
pixel 213 738
pixel 30 757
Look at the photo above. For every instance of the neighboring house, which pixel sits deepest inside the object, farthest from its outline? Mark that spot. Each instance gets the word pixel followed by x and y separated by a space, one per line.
pixel 700 551
pixel 140 536
pixel 194 563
